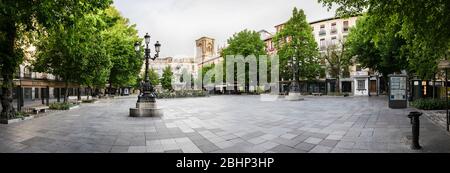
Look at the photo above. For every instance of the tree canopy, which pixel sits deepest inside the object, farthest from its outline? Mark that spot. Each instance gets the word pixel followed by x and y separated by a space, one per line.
pixel 153 77
pixel 76 53
pixel 423 24
pixel 120 39
pixel 296 39
pixel 244 43
pixel 20 16
pixel 377 45
pixel 166 80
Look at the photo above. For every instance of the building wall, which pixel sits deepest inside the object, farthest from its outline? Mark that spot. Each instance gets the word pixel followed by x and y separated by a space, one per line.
pixel 205 48
pixel 176 64
pixel 328 32
pixel 331 31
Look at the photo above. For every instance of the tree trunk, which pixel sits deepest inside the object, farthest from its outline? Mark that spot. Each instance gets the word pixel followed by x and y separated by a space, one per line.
pixel 9 63
pixel 434 88
pixel 110 88
pixel 7 96
pixel 66 94
pixel 88 92
pixel 338 82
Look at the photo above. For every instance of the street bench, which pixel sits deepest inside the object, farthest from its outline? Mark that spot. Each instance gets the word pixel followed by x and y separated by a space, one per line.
pixel 317 94
pixel 37 110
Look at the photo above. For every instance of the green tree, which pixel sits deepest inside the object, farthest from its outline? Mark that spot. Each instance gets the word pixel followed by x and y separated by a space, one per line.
pixel 423 25
pixel 21 16
pixel 376 44
pixel 166 80
pixel 120 39
pixel 76 52
pixel 296 39
pixel 153 77
pixel 338 61
pixel 244 43
pixel 207 68
pixel 96 62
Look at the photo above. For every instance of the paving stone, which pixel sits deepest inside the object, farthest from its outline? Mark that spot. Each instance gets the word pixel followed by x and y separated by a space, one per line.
pixel 329 142
pixel 305 146
pixel 321 149
pixel 237 124
pixel 257 140
pixel 119 149
pixel 137 149
pixel 174 151
pixel 282 149
pixel 208 148
pixel 313 140
pixel 289 136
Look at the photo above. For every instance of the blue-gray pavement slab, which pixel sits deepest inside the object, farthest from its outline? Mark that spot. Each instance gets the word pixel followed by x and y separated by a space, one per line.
pixel 221 124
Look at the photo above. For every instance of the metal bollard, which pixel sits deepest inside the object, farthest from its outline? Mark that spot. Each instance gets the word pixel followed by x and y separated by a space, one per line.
pixel 414 116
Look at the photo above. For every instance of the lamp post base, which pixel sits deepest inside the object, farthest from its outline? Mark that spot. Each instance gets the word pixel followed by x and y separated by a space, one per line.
pixel 146 109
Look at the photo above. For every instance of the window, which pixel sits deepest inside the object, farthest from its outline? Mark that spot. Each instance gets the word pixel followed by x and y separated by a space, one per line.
pixel 27 72
pixel 322 43
pixel 333 40
pixel 36 93
pixel 345 28
pixel 322 30
pixel 361 85
pixel 333 28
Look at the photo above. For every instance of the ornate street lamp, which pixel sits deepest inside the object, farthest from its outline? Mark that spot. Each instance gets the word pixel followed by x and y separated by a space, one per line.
pixel 295 85
pixel 294 89
pixel 146 103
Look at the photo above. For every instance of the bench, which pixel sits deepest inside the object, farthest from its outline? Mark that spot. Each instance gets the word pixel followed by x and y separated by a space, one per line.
pixel 37 110
pixel 317 94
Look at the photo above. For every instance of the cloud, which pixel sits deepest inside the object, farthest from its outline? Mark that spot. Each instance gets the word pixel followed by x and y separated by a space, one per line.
pixel 178 23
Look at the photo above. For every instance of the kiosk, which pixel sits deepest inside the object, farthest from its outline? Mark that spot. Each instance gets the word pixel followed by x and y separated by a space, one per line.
pixel 397 91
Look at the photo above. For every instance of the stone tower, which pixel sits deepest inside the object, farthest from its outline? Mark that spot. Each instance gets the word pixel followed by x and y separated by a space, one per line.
pixel 205 48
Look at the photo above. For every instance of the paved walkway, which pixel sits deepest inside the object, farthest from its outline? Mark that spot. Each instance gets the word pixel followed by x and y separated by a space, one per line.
pixel 226 124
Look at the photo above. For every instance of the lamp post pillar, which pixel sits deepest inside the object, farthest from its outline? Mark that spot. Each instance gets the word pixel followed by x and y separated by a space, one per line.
pixel 445 65
pixel 146 103
pixel 446 97
pixel 294 89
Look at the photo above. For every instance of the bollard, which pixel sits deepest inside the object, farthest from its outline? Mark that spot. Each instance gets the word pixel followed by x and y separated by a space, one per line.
pixel 414 116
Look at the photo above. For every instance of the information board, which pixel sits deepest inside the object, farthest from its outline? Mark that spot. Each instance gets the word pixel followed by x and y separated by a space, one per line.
pixel 398 88
pixel 397 91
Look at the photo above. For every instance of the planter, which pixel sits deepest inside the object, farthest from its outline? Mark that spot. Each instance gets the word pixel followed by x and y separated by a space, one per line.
pixel 74 107
pixel 16 120
pixel 89 101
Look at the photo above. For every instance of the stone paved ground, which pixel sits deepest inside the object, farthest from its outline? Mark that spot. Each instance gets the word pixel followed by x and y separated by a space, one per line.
pixel 226 124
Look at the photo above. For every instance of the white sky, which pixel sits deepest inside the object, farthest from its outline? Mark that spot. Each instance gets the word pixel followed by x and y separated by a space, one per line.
pixel 178 23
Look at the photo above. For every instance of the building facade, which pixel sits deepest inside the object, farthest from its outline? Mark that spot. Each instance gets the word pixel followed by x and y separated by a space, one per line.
pixel 206 53
pixel 33 88
pixel 178 67
pixel 331 33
